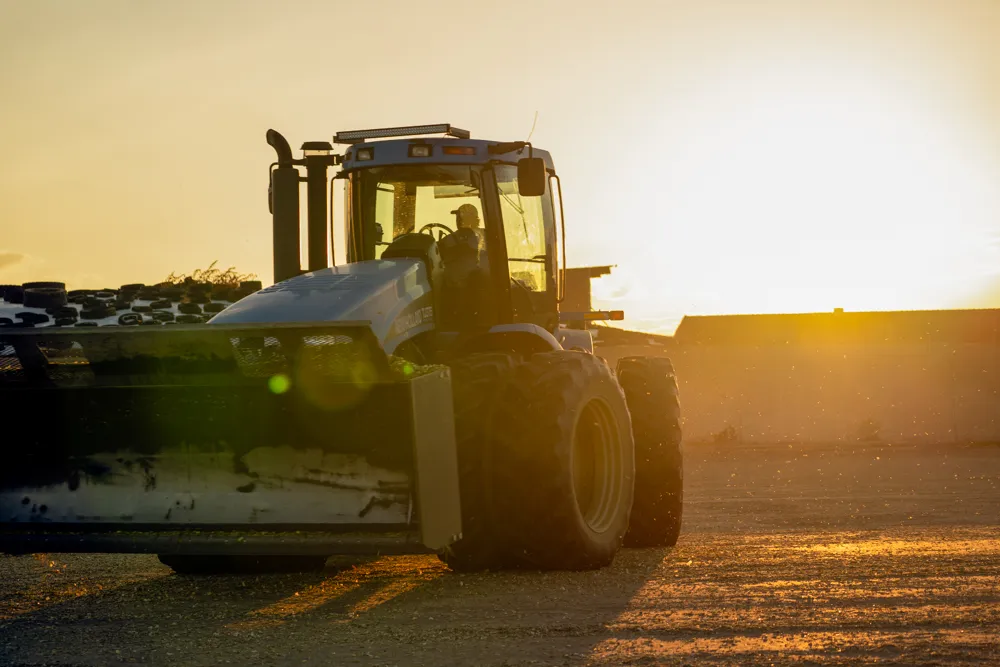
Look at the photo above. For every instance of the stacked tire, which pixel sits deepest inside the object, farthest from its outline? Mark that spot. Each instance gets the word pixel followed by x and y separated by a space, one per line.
pixel 12 293
pixel 44 297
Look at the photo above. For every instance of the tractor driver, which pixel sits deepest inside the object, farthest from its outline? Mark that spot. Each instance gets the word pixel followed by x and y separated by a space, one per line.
pixel 467 217
pixel 465 293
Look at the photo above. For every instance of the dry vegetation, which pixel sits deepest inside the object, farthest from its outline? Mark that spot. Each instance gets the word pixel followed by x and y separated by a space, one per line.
pixel 228 278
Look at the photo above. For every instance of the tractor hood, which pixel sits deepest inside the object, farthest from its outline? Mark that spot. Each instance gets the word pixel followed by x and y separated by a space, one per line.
pixel 394 296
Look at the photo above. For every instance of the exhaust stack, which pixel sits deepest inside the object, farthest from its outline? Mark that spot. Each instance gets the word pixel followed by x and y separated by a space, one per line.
pixel 283 202
pixel 318 156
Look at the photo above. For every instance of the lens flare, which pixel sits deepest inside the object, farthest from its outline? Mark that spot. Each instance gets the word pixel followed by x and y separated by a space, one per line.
pixel 279 384
pixel 335 377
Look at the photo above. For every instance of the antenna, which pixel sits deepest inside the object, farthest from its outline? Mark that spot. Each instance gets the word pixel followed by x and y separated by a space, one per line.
pixel 532 127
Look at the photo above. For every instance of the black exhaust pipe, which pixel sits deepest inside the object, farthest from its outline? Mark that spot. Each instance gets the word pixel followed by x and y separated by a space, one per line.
pixel 317 158
pixel 283 200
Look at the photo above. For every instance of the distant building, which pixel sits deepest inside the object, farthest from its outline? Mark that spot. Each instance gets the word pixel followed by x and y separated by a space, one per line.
pixel 873 327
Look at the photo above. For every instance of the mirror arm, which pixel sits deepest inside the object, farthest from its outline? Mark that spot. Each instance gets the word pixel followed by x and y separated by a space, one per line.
pixel 561 296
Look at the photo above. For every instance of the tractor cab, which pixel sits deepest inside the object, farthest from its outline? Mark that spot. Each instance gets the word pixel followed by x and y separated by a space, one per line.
pixel 480 214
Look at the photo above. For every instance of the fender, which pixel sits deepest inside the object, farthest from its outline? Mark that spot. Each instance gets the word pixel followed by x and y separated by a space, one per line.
pixel 576 339
pixel 523 337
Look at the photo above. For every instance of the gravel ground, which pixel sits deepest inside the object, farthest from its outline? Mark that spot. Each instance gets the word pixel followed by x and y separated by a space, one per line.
pixel 790 554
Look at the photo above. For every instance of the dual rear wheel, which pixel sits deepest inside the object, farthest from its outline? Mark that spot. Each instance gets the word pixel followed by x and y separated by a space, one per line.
pixel 553 455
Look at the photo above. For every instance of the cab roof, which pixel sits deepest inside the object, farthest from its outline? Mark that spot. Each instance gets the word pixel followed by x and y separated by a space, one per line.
pixel 455 148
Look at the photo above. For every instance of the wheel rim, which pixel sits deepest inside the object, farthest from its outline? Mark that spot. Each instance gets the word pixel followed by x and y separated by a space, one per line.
pixel 597 465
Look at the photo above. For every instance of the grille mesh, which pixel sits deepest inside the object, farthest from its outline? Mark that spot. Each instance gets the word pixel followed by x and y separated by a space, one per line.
pixel 259 356
pixel 74 360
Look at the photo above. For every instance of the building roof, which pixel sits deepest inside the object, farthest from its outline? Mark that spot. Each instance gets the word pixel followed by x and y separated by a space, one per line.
pixel 914 326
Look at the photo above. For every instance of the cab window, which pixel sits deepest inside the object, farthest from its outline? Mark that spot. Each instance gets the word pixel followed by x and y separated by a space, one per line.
pixel 404 199
pixel 525 227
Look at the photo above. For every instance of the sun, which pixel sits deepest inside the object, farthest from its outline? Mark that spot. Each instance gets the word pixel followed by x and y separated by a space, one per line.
pixel 795 192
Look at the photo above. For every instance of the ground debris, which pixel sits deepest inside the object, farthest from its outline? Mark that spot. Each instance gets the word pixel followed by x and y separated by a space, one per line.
pixel 786 577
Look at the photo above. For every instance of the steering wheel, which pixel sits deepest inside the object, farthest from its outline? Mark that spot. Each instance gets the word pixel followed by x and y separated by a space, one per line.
pixel 430 225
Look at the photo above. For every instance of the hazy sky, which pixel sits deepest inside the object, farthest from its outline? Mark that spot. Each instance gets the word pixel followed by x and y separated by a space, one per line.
pixel 741 156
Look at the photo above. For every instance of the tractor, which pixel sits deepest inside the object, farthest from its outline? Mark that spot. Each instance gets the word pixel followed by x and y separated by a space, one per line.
pixel 423 397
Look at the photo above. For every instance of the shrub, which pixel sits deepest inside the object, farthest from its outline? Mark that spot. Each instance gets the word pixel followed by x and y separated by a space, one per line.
pixel 230 278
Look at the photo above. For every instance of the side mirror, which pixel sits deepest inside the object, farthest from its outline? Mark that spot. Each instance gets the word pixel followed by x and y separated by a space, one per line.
pixel 531 177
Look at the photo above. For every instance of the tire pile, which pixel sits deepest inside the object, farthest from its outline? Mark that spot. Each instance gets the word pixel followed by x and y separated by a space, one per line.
pixel 47 304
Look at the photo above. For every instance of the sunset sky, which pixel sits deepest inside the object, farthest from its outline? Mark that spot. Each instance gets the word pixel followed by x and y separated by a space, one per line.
pixel 728 157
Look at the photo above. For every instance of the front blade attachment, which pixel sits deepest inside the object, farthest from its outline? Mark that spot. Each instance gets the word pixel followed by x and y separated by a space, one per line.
pixel 270 427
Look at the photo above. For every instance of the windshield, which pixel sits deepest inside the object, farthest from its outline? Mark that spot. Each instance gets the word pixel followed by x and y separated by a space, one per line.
pixel 398 200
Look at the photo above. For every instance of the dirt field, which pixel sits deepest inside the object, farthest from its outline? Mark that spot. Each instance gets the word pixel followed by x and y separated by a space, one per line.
pixel 791 554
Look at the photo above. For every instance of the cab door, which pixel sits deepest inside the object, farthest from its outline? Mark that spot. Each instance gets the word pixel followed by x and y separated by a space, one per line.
pixel 528 237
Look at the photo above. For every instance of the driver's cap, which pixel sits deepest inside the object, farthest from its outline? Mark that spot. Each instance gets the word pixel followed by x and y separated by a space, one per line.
pixel 466 210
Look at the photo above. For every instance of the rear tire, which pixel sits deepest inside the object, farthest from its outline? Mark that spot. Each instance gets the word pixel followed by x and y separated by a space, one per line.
pixel 650 387
pixel 184 564
pixel 477 381
pixel 564 465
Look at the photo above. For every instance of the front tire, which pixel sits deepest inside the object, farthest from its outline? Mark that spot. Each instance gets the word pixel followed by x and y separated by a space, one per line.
pixel 477 381
pixel 564 464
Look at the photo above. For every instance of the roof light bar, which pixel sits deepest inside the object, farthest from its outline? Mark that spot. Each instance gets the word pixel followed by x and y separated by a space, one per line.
pixel 355 136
